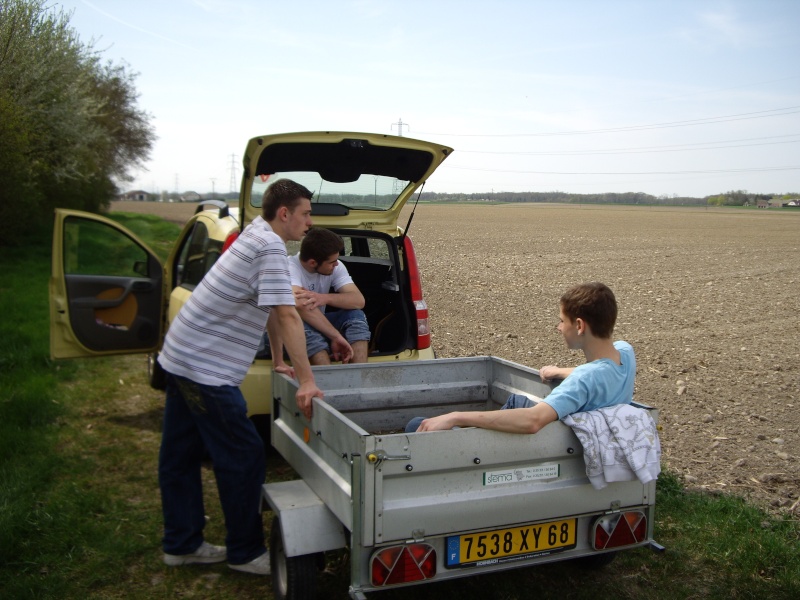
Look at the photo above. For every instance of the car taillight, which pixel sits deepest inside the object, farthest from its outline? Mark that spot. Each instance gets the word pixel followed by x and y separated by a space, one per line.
pixel 403 564
pixel 620 529
pixel 229 240
pixel 420 306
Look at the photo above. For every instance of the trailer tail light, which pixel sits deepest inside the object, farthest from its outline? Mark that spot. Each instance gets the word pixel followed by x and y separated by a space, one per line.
pixel 229 240
pixel 619 529
pixel 403 564
pixel 420 306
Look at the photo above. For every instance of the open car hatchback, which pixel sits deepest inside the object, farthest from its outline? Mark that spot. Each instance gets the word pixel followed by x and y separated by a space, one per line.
pixel 109 293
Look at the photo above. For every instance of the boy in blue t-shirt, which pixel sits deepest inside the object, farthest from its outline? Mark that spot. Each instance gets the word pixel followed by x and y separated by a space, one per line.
pixel 587 317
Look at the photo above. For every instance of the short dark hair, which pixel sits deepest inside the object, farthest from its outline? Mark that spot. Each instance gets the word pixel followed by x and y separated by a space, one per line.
pixel 593 302
pixel 319 244
pixel 283 192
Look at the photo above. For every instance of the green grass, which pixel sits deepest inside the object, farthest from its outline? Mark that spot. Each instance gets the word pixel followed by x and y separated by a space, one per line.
pixel 54 507
pixel 80 511
pixel 153 231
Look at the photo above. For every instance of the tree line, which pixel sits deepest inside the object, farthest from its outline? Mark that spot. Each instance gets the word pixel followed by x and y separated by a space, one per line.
pixel 70 127
pixel 731 198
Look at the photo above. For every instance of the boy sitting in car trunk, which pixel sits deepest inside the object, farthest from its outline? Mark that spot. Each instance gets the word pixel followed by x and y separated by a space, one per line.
pixel 320 280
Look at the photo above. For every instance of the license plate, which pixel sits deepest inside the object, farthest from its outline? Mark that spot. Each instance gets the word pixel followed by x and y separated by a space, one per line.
pixel 503 545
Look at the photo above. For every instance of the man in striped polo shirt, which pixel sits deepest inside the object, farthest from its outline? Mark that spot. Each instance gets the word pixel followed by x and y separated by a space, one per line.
pixel 208 349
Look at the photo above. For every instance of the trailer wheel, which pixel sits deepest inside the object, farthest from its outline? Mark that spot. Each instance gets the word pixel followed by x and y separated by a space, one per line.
pixel 156 375
pixel 293 578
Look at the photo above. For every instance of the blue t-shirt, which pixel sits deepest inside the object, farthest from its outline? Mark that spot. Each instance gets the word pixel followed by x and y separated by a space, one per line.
pixel 596 384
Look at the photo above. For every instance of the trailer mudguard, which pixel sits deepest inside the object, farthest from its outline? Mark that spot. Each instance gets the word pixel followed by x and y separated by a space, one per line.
pixel 308 525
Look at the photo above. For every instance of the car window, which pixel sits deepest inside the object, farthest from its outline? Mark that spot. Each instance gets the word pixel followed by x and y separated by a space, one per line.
pixel 197 255
pixel 378 248
pixel 364 246
pixel 368 192
pixel 92 248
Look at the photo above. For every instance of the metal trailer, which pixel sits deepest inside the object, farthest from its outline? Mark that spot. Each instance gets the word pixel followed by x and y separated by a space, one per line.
pixel 422 507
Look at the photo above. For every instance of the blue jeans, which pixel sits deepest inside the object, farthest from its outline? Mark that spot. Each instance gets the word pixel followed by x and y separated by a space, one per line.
pixel 514 401
pixel 352 324
pixel 200 418
pixel 517 401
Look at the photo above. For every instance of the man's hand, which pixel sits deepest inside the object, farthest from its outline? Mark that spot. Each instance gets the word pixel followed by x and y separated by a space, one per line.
pixel 305 393
pixel 553 372
pixel 285 369
pixel 307 300
pixel 341 350
pixel 548 372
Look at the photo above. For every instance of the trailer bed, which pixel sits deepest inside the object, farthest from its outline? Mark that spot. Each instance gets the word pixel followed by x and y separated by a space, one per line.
pixel 385 487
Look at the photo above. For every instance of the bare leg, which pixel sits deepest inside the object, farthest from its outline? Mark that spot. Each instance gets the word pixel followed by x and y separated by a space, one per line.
pixel 360 351
pixel 320 358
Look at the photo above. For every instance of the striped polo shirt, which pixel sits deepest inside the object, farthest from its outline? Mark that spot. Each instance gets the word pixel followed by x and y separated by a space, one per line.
pixel 214 338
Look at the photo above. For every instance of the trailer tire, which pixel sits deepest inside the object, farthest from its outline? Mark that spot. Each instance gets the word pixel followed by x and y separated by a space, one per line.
pixel 293 578
pixel 156 375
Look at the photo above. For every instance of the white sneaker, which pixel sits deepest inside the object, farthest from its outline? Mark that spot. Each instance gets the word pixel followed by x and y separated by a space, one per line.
pixel 257 566
pixel 204 555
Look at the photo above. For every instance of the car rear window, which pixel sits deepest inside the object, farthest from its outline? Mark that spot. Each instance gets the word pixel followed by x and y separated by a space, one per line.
pixel 368 192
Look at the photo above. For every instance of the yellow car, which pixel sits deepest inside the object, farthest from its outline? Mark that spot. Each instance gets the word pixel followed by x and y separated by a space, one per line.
pixel 109 294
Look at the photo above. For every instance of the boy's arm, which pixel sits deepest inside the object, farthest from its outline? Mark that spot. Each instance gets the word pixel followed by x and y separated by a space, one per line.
pixel 348 297
pixel 519 420
pixel 315 318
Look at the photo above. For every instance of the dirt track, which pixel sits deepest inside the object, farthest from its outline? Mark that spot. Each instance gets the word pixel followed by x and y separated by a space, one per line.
pixel 708 298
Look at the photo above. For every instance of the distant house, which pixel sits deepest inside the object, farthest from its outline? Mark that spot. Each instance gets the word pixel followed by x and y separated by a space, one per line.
pixel 138 195
pixel 190 197
pixel 763 204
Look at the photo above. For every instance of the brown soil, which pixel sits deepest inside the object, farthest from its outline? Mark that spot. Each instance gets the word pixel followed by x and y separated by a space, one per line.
pixel 177 212
pixel 708 298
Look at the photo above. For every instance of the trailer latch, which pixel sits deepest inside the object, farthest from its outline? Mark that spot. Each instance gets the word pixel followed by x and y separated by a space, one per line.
pixel 378 456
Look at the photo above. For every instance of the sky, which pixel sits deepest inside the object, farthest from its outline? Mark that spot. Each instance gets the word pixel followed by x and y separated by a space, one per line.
pixel 669 98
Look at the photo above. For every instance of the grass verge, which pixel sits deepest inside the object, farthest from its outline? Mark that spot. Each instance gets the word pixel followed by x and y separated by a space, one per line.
pixel 80 509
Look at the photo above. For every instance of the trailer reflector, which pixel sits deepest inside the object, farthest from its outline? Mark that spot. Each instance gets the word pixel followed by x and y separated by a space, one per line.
pixel 620 529
pixel 403 564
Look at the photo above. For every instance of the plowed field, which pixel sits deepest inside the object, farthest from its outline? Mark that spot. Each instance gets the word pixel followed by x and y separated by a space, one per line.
pixel 708 298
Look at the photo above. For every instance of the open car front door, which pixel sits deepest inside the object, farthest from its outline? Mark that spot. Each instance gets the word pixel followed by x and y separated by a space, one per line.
pixel 106 289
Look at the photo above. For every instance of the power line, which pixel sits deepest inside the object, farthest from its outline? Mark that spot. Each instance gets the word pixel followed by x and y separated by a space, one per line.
pixel 762 114
pixel 648 149
pixel 708 171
